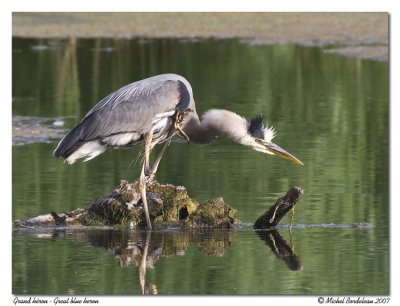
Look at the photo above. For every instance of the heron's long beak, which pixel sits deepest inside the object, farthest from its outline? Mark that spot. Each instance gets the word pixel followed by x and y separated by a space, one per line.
pixel 274 149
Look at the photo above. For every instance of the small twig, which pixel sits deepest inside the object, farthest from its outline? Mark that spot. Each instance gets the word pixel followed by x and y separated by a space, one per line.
pixel 291 218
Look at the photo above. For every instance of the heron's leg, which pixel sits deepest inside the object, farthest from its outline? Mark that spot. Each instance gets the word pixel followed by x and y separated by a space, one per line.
pixel 142 190
pixel 142 179
pixel 153 169
pixel 147 148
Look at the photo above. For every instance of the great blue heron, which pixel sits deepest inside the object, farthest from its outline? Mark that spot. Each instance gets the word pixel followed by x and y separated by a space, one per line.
pixel 154 110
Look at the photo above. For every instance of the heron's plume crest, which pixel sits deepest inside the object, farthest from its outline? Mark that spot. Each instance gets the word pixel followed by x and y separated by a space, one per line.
pixel 257 130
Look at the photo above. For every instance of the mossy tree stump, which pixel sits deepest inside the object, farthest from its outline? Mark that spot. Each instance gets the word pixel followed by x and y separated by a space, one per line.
pixel 168 205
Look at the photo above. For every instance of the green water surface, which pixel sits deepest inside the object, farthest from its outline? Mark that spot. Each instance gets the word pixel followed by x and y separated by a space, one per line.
pixel 330 111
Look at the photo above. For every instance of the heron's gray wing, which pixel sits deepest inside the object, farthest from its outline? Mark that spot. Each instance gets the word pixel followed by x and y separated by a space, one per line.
pixel 131 108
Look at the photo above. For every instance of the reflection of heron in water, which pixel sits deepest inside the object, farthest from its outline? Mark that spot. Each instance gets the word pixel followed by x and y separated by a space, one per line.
pixel 155 110
pixel 147 288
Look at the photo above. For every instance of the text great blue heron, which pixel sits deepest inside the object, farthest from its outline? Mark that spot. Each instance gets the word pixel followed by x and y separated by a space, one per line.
pixel 154 110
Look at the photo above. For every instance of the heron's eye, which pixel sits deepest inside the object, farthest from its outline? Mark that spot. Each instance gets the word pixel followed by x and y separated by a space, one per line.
pixel 260 141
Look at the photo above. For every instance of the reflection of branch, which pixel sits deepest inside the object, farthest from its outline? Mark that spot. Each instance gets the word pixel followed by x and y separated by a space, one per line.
pixel 67 86
pixel 280 248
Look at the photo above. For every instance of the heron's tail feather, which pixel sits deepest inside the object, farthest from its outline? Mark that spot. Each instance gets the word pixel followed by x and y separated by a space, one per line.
pixel 72 147
pixel 68 144
pixel 73 150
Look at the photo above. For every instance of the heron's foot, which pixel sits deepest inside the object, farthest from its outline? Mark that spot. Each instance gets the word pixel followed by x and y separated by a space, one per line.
pixel 180 116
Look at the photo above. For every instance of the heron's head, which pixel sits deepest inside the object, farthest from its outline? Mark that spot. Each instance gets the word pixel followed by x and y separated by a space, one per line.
pixel 262 140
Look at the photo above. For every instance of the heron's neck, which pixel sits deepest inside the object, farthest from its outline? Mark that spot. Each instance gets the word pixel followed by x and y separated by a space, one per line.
pixel 214 123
